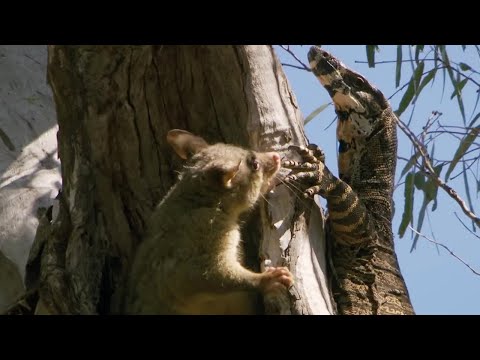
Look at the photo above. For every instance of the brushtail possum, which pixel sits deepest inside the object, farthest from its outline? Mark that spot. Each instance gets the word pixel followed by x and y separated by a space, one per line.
pixel 189 261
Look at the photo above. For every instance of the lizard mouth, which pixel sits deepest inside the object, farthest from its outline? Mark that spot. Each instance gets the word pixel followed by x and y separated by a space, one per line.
pixel 328 70
pixel 321 62
pixel 332 75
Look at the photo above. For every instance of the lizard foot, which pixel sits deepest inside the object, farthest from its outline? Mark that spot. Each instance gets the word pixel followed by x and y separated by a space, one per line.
pixel 308 171
pixel 312 153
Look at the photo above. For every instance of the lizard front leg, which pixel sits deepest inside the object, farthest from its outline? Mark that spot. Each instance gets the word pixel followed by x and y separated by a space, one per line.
pixel 348 216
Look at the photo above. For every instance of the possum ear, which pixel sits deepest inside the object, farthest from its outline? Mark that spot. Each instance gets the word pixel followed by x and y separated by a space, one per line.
pixel 229 174
pixel 184 143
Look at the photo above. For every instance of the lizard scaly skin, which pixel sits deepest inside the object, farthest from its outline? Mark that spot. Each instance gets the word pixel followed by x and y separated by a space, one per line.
pixel 366 277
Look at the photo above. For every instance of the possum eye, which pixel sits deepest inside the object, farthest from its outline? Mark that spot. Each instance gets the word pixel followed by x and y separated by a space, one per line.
pixel 255 164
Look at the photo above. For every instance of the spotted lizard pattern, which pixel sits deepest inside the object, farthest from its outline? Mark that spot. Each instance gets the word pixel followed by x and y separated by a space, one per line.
pixel 366 277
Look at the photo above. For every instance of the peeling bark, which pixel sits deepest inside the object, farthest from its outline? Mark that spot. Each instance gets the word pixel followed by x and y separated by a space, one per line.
pixel 29 167
pixel 115 105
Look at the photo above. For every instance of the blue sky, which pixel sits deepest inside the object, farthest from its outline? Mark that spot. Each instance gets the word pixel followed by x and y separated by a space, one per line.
pixel 438 283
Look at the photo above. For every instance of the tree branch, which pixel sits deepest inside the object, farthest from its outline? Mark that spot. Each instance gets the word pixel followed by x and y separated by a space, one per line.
pixel 431 173
pixel 465 226
pixel 303 67
pixel 446 248
pixel 293 66
pixel 439 59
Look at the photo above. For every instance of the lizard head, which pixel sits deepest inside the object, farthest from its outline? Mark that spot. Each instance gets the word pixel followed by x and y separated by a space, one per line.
pixel 362 110
pixel 350 91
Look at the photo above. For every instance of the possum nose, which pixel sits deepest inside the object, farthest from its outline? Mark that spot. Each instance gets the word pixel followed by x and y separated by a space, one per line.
pixel 274 165
pixel 276 158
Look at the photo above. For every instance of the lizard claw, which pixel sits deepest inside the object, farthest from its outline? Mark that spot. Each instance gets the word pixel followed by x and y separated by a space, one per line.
pixel 317 152
pixel 296 165
pixel 311 192
pixel 312 153
pixel 310 177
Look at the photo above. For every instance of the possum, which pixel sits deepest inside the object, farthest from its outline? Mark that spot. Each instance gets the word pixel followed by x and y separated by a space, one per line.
pixel 189 261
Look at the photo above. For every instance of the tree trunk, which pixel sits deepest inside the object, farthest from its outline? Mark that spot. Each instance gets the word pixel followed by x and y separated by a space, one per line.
pixel 114 106
pixel 29 168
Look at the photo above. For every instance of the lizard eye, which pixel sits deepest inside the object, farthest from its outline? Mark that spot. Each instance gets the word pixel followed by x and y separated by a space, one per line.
pixel 255 165
pixel 358 81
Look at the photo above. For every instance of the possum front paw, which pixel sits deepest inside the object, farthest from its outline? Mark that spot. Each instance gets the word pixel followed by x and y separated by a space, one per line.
pixel 276 278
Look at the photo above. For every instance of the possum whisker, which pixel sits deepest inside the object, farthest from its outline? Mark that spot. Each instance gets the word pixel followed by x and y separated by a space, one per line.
pixel 293 189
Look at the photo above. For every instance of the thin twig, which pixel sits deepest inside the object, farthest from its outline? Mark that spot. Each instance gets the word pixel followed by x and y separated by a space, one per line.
pixel 304 67
pixel 431 173
pixel 446 248
pixel 430 121
pixel 295 66
pixel 465 226
pixel 446 132
pixel 390 61
pixel 408 83
pixel 439 59
pixel 466 168
pixel 459 72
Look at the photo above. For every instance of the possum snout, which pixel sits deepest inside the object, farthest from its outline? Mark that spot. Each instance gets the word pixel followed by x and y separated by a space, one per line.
pixel 273 164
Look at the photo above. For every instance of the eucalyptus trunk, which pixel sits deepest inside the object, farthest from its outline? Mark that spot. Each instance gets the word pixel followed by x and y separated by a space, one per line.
pixel 114 106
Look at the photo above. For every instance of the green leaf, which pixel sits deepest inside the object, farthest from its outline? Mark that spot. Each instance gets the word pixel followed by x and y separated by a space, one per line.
pixel 438 169
pixel 408 208
pixel 410 163
pixel 459 88
pixel 467 188
pixel 419 181
pixel 430 190
pixel 410 92
pixel 418 50
pixel 475 108
pixel 444 73
pixel 435 204
pixel 446 61
pixel 421 217
pixel 315 113
pixel 398 72
pixel 474 120
pixel 441 48
pixel 462 109
pixel 418 74
pixel 464 66
pixel 406 99
pixel 371 55
pixel 427 79
pixel 462 149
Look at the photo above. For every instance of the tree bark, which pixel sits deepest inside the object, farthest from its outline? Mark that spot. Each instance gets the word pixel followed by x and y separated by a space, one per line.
pixel 29 168
pixel 114 106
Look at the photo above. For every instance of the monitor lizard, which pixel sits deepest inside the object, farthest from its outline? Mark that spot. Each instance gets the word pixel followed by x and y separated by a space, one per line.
pixel 366 277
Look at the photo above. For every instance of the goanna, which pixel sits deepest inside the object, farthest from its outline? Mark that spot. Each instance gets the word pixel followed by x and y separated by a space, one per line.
pixel 366 277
